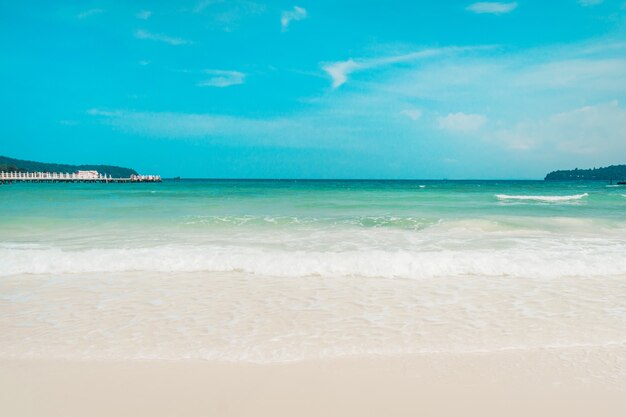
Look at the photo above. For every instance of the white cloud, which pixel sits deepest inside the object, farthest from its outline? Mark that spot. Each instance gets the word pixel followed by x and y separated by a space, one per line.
pixel 591 130
pixel 144 14
pixel 461 122
pixel 89 13
pixel 221 78
pixel 587 3
pixel 144 34
pixel 298 13
pixel 413 114
pixel 340 70
pixel 492 7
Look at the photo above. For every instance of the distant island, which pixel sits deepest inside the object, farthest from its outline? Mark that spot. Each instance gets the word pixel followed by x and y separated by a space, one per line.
pixel 611 173
pixel 17 165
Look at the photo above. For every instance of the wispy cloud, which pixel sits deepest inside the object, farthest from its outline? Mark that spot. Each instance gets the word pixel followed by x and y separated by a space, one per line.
pixel 89 13
pixel 228 15
pixel 339 71
pixel 144 14
pixel 587 3
pixel 213 127
pixel 297 13
pixel 144 34
pixel 413 114
pixel 590 130
pixel 461 122
pixel 203 4
pixel 493 7
pixel 104 113
pixel 187 125
pixel 221 78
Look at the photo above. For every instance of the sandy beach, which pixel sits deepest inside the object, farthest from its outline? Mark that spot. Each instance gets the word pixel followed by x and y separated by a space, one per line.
pixel 329 299
pixel 571 382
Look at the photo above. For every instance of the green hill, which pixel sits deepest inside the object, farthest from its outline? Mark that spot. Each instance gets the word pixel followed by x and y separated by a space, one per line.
pixel 613 172
pixel 11 164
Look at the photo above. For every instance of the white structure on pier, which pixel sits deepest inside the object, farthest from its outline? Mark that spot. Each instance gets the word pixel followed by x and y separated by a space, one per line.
pixel 79 176
pixel 87 174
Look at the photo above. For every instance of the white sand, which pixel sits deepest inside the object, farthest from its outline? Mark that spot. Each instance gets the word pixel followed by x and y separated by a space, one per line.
pixel 572 382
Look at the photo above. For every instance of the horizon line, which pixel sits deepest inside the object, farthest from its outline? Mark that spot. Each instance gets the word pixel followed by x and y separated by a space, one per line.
pixel 357 179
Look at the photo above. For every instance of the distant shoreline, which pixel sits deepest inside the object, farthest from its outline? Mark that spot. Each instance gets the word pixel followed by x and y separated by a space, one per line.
pixel 20 165
pixel 610 173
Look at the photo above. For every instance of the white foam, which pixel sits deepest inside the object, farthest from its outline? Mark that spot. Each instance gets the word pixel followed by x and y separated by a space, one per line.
pixel 545 198
pixel 524 259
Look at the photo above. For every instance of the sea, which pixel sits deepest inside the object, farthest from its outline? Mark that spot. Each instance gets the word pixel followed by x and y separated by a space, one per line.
pixel 285 270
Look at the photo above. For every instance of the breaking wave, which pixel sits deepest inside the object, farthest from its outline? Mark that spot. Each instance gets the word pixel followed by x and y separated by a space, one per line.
pixel 544 198
pixel 538 261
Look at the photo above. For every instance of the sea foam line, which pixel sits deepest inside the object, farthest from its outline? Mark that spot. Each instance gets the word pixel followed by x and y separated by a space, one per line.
pixel 522 262
pixel 547 198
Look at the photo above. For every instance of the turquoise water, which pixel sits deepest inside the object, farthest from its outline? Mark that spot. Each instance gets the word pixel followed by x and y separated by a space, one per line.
pixel 407 229
pixel 268 271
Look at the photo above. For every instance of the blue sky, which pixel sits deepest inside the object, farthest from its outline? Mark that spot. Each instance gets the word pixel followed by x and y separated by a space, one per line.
pixel 316 89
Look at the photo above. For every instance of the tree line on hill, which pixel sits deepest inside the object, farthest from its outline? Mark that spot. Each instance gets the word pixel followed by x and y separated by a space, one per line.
pixel 17 165
pixel 10 168
pixel 613 172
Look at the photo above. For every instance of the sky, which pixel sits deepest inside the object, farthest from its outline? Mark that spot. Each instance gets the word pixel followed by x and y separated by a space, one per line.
pixel 316 89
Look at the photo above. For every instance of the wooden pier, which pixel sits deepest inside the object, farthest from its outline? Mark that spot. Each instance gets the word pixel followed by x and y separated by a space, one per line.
pixel 66 177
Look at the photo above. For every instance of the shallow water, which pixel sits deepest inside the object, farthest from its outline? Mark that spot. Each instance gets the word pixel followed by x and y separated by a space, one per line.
pixel 328 228
pixel 285 270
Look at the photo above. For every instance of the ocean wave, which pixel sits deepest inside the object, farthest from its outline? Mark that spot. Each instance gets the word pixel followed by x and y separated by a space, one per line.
pixel 549 262
pixel 399 222
pixel 544 198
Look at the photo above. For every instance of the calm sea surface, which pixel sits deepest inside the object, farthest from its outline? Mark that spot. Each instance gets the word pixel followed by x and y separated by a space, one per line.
pixel 285 270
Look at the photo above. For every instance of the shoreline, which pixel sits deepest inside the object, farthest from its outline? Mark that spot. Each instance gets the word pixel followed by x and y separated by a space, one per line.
pixel 210 299
pixel 571 382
